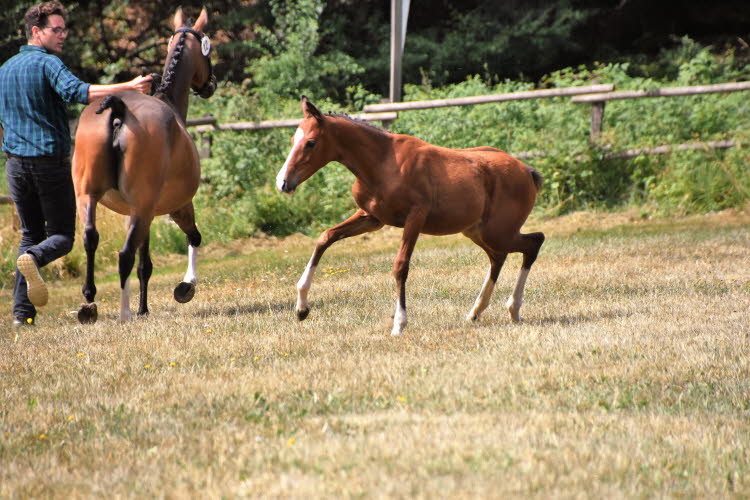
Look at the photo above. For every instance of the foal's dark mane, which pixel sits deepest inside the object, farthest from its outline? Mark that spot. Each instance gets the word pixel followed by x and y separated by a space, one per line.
pixel 170 72
pixel 357 121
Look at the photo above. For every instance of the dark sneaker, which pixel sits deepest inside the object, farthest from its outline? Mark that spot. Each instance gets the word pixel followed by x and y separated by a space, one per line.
pixel 19 323
pixel 37 288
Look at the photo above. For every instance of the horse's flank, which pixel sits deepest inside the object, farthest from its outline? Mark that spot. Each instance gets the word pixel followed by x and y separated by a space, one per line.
pixel 460 185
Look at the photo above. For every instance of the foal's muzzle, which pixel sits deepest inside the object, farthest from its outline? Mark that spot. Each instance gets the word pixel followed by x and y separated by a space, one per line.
pixel 287 187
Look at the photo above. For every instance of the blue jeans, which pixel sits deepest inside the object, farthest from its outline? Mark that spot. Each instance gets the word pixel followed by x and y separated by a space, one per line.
pixel 42 190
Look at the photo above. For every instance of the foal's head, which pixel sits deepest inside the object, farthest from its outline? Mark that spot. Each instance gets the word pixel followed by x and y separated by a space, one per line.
pixel 311 149
pixel 189 48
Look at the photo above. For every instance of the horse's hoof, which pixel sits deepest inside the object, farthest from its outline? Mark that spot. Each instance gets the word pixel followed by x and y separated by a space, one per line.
pixel 88 314
pixel 515 315
pixel 184 292
pixel 301 315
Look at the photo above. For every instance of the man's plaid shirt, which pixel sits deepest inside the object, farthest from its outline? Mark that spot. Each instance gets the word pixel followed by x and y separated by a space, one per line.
pixel 34 87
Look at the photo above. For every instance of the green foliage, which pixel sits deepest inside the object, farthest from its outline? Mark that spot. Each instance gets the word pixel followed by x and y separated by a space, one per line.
pixel 509 37
pixel 289 65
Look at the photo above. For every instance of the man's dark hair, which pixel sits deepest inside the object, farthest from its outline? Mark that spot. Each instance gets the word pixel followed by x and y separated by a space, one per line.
pixel 37 15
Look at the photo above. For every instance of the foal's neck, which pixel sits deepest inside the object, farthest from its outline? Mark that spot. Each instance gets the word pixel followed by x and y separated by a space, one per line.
pixel 363 149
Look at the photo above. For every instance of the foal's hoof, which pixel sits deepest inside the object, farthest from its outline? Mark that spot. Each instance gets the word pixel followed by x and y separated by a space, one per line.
pixel 88 314
pixel 515 314
pixel 184 292
pixel 301 315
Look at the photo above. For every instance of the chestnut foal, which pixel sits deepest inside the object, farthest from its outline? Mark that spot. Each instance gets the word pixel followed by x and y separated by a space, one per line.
pixel 405 182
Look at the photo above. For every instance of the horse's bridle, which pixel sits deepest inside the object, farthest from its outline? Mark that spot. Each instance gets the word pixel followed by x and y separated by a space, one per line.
pixel 210 87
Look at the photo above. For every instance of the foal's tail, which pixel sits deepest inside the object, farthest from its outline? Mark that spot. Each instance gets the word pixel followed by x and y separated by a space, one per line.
pixel 537 177
pixel 116 119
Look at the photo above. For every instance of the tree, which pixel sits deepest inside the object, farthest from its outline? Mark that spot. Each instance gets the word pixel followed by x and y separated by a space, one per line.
pixel 290 64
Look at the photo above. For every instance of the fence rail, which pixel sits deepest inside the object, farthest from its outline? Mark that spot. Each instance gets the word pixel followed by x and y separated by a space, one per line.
pixel 209 123
pixel 485 99
pixel 663 92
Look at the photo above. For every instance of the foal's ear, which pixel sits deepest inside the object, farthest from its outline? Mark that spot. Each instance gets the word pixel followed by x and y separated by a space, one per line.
pixel 202 21
pixel 308 109
pixel 178 19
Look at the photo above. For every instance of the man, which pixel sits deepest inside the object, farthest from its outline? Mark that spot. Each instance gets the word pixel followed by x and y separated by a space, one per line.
pixel 34 87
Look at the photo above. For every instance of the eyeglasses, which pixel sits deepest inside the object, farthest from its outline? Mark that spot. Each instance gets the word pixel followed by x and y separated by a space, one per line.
pixel 57 30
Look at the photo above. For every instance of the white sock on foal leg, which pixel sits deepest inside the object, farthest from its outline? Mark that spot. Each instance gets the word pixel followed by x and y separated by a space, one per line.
pixel 303 286
pixel 516 299
pixel 399 319
pixel 483 299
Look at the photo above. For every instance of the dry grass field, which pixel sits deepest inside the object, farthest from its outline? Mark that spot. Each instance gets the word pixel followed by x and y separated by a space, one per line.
pixel 630 376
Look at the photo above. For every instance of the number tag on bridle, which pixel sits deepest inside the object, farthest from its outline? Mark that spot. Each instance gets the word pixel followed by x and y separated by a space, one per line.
pixel 205 46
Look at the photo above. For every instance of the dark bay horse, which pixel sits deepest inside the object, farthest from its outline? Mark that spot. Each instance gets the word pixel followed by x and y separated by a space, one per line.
pixel 405 182
pixel 134 156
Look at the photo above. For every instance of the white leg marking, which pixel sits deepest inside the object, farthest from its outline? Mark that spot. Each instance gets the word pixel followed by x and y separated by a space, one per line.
pixel 514 301
pixel 303 286
pixel 483 299
pixel 281 176
pixel 125 302
pixel 399 319
pixel 190 276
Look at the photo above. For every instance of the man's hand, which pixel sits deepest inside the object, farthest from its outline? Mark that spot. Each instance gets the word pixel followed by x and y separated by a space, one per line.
pixel 141 84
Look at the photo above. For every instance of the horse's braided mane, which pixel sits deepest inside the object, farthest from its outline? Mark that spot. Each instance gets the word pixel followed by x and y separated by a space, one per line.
pixel 171 71
pixel 356 120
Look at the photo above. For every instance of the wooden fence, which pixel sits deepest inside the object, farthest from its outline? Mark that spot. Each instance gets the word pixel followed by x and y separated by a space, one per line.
pixel 598 101
pixel 596 95
pixel 388 112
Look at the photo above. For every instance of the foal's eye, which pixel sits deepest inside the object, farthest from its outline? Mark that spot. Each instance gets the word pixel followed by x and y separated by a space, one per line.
pixel 310 144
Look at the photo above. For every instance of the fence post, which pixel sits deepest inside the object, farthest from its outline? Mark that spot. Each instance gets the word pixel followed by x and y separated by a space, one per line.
pixel 597 117
pixel 204 151
pixel 205 141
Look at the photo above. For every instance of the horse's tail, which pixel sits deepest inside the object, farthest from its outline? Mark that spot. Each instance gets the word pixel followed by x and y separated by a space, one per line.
pixel 116 119
pixel 118 110
pixel 537 177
